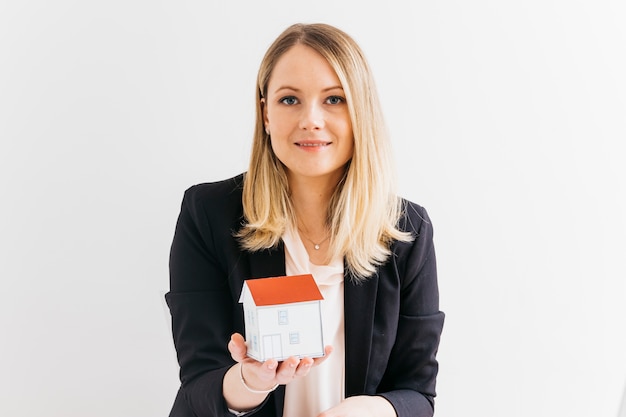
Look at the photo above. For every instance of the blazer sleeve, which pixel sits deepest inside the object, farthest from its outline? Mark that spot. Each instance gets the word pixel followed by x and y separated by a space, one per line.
pixel 201 303
pixel 412 368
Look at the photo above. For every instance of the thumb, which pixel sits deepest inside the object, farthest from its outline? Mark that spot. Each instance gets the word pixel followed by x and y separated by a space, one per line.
pixel 237 347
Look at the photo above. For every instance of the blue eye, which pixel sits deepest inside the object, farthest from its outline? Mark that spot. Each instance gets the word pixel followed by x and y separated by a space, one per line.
pixel 335 100
pixel 289 100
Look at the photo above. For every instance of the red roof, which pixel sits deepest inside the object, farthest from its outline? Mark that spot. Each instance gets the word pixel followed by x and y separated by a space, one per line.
pixel 284 290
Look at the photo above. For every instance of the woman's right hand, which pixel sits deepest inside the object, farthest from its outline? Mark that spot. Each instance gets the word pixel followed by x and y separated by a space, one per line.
pixel 260 377
pixel 264 375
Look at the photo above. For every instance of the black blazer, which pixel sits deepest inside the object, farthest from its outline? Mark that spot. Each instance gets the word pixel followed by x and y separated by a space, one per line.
pixel 392 320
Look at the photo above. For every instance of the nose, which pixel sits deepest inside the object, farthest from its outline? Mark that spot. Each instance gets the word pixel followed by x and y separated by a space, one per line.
pixel 312 117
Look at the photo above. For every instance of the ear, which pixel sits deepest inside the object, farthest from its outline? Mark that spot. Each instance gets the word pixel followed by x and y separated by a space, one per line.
pixel 266 121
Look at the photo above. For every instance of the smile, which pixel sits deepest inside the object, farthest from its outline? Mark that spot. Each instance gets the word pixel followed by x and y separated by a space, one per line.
pixel 313 144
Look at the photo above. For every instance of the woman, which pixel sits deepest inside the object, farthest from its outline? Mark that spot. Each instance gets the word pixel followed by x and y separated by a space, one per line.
pixel 318 198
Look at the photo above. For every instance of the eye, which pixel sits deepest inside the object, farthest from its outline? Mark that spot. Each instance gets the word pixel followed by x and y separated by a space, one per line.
pixel 335 100
pixel 289 100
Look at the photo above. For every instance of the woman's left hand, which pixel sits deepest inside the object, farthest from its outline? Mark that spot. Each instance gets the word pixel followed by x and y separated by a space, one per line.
pixel 362 406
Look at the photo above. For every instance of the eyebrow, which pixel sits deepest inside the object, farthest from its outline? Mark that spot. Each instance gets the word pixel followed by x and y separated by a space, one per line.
pixel 287 87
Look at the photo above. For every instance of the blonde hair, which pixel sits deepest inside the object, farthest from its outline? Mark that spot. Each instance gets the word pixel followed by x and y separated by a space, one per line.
pixel 364 211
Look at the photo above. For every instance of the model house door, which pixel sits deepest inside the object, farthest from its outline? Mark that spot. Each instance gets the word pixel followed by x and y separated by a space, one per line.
pixel 272 346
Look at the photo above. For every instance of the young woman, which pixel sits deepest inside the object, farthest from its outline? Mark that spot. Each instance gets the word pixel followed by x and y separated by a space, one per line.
pixel 318 198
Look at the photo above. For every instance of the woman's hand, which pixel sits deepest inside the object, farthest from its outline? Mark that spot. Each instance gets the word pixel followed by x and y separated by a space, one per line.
pixel 260 376
pixel 264 375
pixel 362 406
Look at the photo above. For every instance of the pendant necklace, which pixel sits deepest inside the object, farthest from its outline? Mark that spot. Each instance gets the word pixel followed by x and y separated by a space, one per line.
pixel 315 245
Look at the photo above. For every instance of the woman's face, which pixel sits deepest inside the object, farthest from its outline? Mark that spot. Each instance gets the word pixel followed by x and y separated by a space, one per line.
pixel 307 116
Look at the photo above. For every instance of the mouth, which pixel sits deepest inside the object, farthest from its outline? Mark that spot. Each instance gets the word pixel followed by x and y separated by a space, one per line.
pixel 316 144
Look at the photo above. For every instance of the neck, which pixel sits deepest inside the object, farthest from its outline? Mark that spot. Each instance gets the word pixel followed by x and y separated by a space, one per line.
pixel 310 200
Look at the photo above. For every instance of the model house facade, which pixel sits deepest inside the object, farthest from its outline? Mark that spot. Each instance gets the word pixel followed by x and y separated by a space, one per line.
pixel 282 317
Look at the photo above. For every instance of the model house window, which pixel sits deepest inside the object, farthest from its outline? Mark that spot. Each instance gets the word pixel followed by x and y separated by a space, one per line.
pixel 283 317
pixel 294 338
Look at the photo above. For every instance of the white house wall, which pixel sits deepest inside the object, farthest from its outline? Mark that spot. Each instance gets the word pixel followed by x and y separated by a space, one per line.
pixel 252 330
pixel 303 318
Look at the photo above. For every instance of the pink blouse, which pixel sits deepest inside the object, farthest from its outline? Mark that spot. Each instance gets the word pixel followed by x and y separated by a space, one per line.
pixel 323 387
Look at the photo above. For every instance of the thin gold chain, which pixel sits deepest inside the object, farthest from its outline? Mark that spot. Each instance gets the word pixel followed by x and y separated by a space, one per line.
pixel 316 246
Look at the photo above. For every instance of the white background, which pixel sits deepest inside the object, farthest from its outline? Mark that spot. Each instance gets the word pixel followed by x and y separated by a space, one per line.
pixel 508 123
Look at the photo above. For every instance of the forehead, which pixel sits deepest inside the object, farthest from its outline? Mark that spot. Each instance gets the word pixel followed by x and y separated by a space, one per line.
pixel 302 66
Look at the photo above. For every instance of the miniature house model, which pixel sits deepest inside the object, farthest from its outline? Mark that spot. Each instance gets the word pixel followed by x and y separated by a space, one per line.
pixel 282 317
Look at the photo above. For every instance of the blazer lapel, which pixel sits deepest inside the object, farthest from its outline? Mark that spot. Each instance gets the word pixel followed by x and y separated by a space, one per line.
pixel 359 307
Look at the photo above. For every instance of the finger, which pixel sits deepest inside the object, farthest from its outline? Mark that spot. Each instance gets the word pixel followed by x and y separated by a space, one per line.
pixel 286 370
pixel 304 367
pixel 267 370
pixel 327 351
pixel 237 347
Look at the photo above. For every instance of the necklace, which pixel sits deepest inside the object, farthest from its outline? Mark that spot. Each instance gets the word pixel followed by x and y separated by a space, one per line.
pixel 315 245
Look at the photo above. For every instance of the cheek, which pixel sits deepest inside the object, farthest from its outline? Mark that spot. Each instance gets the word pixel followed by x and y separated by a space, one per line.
pixel 278 146
pixel 350 150
pixel 346 132
pixel 279 118
pixel 349 129
pixel 345 125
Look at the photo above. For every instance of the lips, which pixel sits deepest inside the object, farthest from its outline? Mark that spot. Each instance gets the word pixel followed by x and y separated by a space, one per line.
pixel 313 143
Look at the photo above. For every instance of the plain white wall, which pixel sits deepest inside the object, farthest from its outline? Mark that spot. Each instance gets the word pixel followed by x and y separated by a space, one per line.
pixel 508 120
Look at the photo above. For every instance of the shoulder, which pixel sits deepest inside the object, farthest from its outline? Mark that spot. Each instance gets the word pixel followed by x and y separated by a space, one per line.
pixel 411 257
pixel 215 194
pixel 414 219
pixel 215 200
pixel 228 188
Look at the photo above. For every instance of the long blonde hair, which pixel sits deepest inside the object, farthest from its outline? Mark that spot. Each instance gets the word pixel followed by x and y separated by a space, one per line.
pixel 363 212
